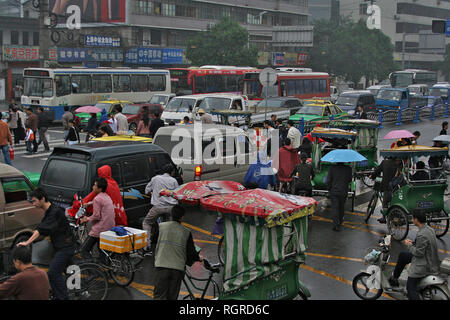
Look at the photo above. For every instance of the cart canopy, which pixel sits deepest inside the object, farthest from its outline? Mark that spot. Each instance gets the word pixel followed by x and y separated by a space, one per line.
pixel 414 151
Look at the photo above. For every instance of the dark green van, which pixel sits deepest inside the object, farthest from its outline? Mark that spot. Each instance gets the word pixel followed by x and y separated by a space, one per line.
pixel 72 170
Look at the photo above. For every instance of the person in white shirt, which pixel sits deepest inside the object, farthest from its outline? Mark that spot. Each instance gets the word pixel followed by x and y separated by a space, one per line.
pixel 294 134
pixel 112 122
pixel 122 121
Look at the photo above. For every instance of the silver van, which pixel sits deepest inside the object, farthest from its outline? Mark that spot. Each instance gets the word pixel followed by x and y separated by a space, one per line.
pixel 208 151
pixel 181 106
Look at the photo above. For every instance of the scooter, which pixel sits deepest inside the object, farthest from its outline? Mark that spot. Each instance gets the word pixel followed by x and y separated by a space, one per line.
pixel 372 282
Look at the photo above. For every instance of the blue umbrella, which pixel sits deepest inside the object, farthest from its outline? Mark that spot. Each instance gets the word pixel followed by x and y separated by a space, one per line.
pixel 343 155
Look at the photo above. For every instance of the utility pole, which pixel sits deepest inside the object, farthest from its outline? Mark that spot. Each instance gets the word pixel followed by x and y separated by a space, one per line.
pixel 44 33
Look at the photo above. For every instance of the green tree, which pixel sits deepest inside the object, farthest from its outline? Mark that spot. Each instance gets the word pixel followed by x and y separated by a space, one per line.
pixel 225 44
pixel 350 50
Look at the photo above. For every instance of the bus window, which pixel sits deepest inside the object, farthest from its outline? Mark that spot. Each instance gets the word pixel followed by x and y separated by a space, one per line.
pixel 315 85
pixel 101 83
pixel 200 85
pixel 139 83
pixel 291 87
pixel 63 86
pixel 83 84
pixel 299 87
pixel 308 86
pixel 323 85
pixel 122 83
pixel 157 83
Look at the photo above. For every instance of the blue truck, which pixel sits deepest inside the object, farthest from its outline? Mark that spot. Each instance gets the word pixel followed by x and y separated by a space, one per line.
pixel 398 98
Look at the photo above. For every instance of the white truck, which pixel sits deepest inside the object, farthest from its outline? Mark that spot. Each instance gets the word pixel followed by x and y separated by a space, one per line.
pixel 234 107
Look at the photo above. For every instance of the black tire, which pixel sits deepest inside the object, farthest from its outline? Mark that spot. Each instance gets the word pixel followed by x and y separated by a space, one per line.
pixel 122 269
pixel 440 227
pixel 133 127
pixel 221 251
pixel 398 223
pixel 93 284
pixel 300 296
pixel 434 293
pixel 371 207
pixel 359 285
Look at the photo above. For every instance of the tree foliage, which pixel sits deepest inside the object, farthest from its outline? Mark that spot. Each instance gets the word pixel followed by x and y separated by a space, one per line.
pixel 225 44
pixel 350 50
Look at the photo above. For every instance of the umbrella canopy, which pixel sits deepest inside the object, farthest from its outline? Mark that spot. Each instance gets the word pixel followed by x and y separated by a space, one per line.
pixel 261 206
pixel 343 155
pixel 398 134
pixel 192 192
pixel 88 109
pixel 443 138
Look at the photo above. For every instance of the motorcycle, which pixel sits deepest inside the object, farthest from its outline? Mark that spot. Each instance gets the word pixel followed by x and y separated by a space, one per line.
pixel 372 282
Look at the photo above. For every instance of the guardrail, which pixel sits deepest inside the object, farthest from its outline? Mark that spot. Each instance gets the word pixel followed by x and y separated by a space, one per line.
pixel 412 114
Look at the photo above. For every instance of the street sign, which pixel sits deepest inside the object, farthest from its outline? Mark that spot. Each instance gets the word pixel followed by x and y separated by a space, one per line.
pixel 268 77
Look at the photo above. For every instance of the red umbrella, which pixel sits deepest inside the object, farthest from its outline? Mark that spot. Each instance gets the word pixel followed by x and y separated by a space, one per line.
pixel 275 208
pixel 192 192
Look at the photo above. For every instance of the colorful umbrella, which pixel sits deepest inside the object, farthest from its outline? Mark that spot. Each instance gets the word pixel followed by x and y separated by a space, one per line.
pixel 88 109
pixel 192 192
pixel 343 155
pixel 398 134
pixel 269 207
pixel 443 138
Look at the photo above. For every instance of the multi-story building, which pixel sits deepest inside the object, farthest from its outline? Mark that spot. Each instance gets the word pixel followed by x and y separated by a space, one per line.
pixel 323 9
pixel 408 24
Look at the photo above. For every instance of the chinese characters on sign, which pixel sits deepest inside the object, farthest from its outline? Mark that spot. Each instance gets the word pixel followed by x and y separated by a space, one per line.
pixel 84 54
pixel 20 53
pixel 101 41
pixel 154 55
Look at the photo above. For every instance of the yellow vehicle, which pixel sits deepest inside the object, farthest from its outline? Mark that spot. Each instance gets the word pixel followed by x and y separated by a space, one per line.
pixel 108 105
pixel 124 138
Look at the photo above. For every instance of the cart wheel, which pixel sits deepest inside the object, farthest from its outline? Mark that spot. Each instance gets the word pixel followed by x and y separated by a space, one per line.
pixel 440 226
pixel 371 207
pixel 361 288
pixel 398 223
pixel 122 269
pixel 300 296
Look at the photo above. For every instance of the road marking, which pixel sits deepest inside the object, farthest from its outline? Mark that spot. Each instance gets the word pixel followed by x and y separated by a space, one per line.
pixel 38 155
pixel 201 230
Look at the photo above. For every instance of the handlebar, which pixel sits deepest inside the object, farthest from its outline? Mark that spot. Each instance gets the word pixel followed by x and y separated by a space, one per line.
pixel 215 268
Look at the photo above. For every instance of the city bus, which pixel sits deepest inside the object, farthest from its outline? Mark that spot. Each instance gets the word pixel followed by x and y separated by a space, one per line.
pixel 55 88
pixel 208 79
pixel 302 85
pixel 404 78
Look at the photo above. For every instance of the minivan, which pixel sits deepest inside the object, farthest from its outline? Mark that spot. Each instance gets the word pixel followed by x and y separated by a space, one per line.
pixel 18 217
pixel 225 152
pixel 349 100
pixel 181 106
pixel 72 170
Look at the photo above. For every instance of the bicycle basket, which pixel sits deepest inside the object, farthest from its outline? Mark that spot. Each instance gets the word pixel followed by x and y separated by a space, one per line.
pixel 372 256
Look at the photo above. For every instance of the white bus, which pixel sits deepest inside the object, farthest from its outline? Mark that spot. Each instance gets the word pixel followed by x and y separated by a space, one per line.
pixel 55 88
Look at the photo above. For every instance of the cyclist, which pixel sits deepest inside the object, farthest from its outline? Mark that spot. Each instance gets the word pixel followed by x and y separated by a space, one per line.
pixel 174 250
pixel 31 283
pixel 55 225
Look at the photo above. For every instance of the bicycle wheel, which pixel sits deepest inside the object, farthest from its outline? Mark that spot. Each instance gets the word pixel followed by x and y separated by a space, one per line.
pixel 93 284
pixel 367 181
pixel 371 207
pixel 397 223
pixel 122 270
pixel 361 288
pixel 221 251
pixel 440 226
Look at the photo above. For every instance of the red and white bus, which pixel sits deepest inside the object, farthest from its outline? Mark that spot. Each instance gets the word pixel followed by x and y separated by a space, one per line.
pixel 303 85
pixel 208 79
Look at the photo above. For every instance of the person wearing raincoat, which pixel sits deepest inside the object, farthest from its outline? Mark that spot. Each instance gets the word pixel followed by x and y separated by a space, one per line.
pixel 113 191
pixel 260 174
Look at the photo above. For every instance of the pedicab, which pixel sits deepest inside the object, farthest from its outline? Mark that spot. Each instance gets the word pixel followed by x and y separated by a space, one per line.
pixel 265 240
pixel 334 139
pixel 425 195
pixel 365 144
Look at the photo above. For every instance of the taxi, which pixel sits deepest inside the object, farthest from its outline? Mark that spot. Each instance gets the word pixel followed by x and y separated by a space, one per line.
pixel 124 137
pixel 317 109
pixel 107 105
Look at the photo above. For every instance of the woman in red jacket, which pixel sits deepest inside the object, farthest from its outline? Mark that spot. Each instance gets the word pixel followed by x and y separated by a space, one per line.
pixel 285 162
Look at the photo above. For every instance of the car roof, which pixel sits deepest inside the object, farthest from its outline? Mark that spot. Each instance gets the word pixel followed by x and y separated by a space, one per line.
pixel 282 98
pixel 114 101
pixel 7 171
pixel 356 93
pixel 108 149
pixel 222 128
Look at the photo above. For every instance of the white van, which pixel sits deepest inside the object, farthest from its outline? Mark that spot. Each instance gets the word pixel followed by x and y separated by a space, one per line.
pixel 181 106
pixel 225 152
pixel 418 90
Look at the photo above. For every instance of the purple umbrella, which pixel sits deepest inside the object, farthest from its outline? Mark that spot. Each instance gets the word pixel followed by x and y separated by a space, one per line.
pixel 88 109
pixel 398 134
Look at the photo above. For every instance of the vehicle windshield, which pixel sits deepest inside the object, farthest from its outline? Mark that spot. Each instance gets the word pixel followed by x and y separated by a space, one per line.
pixel 389 95
pixel 439 92
pixel 347 101
pixel 414 89
pixel 313 110
pixel 38 87
pixel 158 99
pixel 212 103
pixel 130 109
pixel 401 79
pixel 106 106
pixel 180 105
pixel 270 103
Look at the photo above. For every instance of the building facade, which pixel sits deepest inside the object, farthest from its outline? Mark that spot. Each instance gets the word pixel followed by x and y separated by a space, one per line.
pixel 408 24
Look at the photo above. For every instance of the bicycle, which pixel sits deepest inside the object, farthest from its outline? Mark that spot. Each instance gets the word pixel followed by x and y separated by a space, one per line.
pixel 378 195
pixel 213 269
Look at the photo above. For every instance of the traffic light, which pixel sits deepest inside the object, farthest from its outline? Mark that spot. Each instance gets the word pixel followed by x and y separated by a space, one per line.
pixel 438 26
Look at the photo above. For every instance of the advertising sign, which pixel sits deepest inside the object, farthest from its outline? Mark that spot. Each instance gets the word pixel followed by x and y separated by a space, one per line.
pixel 86 54
pixel 20 53
pixel 101 41
pixel 278 58
pixel 154 56
pixel 92 11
